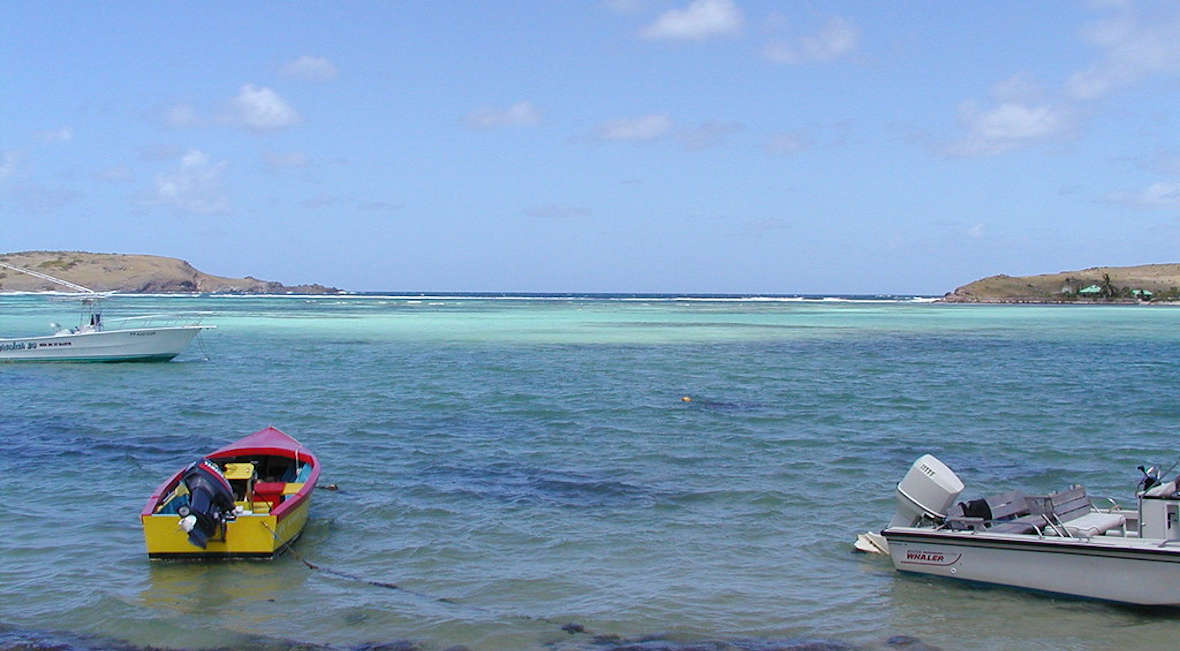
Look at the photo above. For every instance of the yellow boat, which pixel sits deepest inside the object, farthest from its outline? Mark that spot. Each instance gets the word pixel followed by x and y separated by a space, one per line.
pixel 247 500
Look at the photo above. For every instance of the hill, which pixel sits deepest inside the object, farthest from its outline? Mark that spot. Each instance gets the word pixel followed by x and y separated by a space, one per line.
pixel 1126 284
pixel 131 274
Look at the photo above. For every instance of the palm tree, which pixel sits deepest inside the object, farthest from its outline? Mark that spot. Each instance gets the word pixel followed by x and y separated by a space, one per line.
pixel 1108 288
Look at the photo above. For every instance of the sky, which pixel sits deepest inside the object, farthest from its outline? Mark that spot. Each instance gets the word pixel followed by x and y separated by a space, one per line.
pixel 735 146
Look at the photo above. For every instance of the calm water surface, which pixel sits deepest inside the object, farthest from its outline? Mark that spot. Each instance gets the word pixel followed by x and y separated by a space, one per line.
pixel 518 465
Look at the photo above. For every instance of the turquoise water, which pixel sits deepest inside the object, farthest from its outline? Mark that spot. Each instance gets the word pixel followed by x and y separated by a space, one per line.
pixel 517 465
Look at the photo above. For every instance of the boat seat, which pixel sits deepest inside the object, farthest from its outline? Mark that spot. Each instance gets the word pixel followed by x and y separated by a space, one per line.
pixel 1068 509
pixel 1023 524
pixel 1095 523
pixel 269 491
pixel 977 514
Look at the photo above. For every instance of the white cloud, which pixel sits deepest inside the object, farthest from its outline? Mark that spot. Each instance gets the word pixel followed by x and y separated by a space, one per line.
pixel 309 68
pixel 975 231
pixel 193 188
pixel 379 206
pixel 835 39
pixel 285 160
pixel 624 6
pixel 262 109
pixel 786 143
pixel 181 115
pixel 41 200
pixel 1009 125
pixel 8 163
pixel 521 114
pixel 1131 50
pixel 647 127
pixel 114 174
pixel 556 211
pixel 706 134
pixel 64 134
pixel 701 19
pixel 1164 194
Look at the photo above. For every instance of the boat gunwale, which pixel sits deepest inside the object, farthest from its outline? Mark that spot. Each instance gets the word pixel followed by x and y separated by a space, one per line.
pixel 93 333
pixel 1110 546
pixel 270 447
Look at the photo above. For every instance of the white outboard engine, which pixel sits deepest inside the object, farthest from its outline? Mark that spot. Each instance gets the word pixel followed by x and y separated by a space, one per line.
pixel 211 502
pixel 928 489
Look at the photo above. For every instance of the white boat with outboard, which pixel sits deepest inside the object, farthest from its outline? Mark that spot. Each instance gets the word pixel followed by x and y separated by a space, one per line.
pixel 1066 542
pixel 94 340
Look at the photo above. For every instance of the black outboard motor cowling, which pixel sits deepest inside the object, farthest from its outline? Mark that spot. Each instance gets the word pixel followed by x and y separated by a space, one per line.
pixel 211 502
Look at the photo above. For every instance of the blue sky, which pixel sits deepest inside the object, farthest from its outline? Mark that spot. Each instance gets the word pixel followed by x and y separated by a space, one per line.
pixel 610 145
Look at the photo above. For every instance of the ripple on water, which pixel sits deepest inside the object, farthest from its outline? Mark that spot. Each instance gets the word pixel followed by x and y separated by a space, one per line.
pixel 518 467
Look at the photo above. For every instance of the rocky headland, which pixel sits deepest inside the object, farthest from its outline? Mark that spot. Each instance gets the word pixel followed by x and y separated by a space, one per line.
pixel 1143 283
pixel 131 274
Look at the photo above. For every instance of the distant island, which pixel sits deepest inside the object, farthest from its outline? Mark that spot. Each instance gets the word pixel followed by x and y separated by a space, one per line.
pixel 1144 283
pixel 132 274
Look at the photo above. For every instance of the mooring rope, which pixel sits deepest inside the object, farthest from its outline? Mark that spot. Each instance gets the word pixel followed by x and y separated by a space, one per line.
pixel 569 627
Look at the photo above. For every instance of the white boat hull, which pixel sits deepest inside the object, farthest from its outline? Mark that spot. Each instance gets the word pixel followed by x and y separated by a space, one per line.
pixel 1112 568
pixel 131 344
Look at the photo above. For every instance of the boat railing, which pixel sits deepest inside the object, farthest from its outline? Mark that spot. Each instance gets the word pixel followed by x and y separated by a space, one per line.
pixel 152 321
pixel 1113 503
pixel 1065 514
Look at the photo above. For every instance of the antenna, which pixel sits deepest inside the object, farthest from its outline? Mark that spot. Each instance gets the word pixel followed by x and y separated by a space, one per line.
pixel 42 276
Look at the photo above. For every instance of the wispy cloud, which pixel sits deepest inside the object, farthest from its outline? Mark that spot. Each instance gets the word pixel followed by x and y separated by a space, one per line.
pixel 262 109
pixel 64 134
pixel 285 160
pixel 254 107
pixel 195 187
pixel 320 202
pixel 1164 194
pixel 643 128
pixel 759 227
pixel 1130 49
pixel 8 163
pixel 786 143
pixel 1009 125
pixel 838 37
pixel 379 206
pixel 556 211
pixel 1019 115
pixel 181 116
pixel 706 134
pixel 41 200
pixel 114 174
pixel 701 19
pixel 309 68
pixel 623 6
pixel 521 114
pixel 159 152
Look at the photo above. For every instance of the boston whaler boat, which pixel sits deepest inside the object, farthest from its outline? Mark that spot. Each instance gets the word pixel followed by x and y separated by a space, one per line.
pixel 93 340
pixel 1058 543
pixel 248 499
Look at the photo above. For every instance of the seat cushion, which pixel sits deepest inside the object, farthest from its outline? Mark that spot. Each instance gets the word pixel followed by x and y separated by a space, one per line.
pixel 1095 523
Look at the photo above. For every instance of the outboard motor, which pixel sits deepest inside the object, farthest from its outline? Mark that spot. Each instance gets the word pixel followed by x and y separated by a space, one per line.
pixel 928 489
pixel 211 502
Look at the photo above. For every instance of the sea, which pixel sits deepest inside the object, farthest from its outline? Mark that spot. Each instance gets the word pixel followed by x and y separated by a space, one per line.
pixel 575 472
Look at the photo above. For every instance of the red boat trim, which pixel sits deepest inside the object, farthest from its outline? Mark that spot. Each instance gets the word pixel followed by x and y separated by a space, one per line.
pixel 269 441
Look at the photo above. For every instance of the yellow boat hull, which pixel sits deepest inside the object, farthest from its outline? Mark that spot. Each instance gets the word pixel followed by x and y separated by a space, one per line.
pixel 257 535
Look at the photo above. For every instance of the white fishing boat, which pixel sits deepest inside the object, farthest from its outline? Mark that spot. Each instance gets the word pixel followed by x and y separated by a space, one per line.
pixel 1066 542
pixel 94 340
